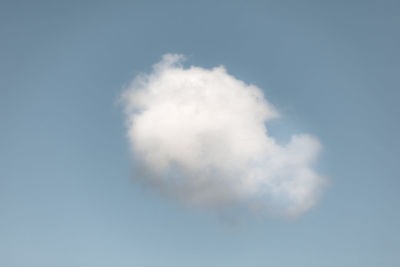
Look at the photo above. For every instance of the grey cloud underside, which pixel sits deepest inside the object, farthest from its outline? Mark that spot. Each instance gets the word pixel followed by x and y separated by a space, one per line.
pixel 200 134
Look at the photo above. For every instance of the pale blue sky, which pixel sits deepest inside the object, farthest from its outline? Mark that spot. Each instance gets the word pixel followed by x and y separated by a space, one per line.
pixel 67 197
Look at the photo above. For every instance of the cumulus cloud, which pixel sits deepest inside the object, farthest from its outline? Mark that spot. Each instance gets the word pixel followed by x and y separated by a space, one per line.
pixel 201 137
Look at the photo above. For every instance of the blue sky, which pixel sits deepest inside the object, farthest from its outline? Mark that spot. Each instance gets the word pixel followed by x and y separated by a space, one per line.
pixel 68 196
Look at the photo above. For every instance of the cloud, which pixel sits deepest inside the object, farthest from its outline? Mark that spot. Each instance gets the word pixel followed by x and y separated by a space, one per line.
pixel 200 136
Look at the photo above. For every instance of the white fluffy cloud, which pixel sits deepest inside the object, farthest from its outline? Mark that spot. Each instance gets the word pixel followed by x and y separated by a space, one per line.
pixel 201 137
